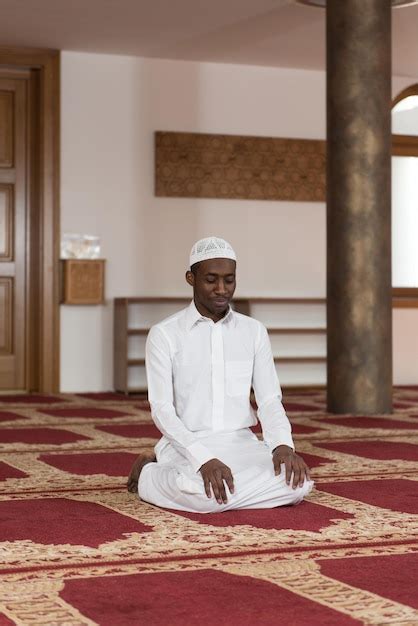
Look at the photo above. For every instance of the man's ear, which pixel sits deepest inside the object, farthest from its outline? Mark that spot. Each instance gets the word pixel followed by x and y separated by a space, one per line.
pixel 190 278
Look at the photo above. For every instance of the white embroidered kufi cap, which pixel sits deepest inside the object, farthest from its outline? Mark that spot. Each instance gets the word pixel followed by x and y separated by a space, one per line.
pixel 211 248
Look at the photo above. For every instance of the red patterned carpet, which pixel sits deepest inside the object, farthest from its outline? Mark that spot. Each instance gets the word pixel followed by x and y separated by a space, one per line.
pixel 77 549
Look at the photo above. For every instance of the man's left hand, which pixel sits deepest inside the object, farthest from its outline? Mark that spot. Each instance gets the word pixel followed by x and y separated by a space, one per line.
pixel 293 464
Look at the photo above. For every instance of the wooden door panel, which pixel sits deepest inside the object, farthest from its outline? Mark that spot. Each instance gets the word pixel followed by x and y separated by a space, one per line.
pixel 7 356
pixel 13 235
pixel 6 316
pixel 6 128
pixel 6 222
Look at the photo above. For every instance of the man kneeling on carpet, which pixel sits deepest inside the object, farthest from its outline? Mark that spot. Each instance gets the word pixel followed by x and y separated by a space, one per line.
pixel 201 364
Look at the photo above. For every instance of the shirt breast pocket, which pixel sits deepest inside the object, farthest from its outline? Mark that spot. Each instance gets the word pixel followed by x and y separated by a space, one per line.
pixel 238 376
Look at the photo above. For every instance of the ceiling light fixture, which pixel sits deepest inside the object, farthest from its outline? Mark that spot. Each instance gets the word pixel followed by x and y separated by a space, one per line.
pixel 396 4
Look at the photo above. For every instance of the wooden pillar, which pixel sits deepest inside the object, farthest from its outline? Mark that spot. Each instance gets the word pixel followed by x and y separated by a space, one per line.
pixel 359 309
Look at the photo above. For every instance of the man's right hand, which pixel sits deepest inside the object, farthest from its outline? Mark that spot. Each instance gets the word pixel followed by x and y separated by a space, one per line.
pixel 214 473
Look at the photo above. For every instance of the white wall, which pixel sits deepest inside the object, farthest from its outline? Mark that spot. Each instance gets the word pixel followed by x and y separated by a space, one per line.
pixel 111 106
pixel 405 346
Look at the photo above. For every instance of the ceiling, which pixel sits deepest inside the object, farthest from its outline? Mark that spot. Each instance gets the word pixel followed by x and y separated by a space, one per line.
pixel 254 32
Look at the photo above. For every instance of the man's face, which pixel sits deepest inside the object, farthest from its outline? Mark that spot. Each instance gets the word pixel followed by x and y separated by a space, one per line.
pixel 213 286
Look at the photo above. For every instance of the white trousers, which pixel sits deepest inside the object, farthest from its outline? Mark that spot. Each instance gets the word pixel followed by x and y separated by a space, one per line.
pixel 171 482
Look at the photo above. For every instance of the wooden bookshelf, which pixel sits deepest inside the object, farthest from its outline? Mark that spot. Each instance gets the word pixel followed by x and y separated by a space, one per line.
pixel 134 316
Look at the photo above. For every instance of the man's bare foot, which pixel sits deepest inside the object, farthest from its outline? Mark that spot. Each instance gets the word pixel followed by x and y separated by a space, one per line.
pixel 136 469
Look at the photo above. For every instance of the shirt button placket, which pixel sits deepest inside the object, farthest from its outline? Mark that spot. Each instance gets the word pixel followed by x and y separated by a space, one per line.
pixel 218 377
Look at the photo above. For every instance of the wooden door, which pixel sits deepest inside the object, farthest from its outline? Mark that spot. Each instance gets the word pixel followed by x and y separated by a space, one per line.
pixel 14 193
pixel 29 219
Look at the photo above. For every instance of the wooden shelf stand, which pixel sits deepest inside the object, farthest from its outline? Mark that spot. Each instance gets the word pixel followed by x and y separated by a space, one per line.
pixel 296 326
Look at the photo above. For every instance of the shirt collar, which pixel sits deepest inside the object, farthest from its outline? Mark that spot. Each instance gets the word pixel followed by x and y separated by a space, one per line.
pixel 193 316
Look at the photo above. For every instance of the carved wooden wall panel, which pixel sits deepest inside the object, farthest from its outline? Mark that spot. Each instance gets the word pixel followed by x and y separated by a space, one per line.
pixel 195 165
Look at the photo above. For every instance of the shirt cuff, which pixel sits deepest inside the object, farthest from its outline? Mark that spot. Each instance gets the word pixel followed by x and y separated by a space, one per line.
pixel 197 455
pixel 284 439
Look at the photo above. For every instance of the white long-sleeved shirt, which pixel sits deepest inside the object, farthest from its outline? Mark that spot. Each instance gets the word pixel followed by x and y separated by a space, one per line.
pixel 200 375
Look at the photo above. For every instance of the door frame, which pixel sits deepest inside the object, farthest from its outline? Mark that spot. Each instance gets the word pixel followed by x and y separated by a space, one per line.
pixel 47 319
